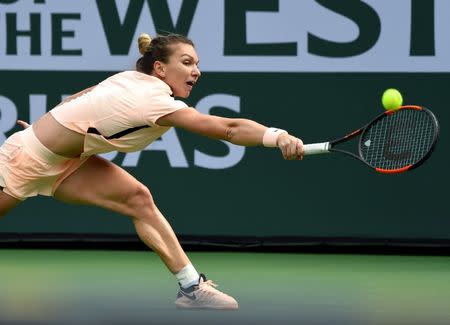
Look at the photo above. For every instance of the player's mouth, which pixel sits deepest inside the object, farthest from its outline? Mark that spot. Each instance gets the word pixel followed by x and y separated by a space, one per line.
pixel 191 84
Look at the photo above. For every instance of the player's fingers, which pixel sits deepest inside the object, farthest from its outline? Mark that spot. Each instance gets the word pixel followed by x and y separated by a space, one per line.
pixel 289 147
pixel 287 150
pixel 300 150
pixel 23 124
pixel 293 150
pixel 282 144
pixel 284 152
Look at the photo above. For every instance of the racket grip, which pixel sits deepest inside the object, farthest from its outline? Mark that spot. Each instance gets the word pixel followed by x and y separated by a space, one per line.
pixel 316 148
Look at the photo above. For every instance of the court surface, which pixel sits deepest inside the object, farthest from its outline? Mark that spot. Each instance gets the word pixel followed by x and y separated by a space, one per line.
pixel 133 287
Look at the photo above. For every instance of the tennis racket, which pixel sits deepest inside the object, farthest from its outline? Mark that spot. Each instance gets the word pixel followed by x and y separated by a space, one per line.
pixel 393 142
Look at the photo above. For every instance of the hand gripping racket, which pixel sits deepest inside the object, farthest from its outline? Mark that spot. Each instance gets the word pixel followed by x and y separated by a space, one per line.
pixel 393 142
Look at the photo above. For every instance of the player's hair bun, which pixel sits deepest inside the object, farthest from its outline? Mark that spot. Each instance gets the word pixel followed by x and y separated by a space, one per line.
pixel 144 41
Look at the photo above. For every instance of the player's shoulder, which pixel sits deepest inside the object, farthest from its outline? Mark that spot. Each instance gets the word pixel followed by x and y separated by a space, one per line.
pixel 128 75
pixel 137 83
pixel 139 79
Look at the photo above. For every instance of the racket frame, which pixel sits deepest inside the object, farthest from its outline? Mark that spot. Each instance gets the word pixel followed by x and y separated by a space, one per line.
pixel 324 147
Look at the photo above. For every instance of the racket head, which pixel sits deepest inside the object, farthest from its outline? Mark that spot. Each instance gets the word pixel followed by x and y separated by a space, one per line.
pixel 399 140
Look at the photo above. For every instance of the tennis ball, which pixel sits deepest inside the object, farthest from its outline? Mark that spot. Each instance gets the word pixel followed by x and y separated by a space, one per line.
pixel 392 99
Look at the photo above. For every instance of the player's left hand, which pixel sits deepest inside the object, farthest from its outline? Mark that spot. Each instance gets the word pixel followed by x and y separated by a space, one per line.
pixel 23 124
pixel 290 146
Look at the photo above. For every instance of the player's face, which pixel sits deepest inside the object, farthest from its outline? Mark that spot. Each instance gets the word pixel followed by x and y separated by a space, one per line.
pixel 182 72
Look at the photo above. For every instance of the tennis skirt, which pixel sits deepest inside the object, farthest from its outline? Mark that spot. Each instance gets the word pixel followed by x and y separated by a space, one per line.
pixel 28 168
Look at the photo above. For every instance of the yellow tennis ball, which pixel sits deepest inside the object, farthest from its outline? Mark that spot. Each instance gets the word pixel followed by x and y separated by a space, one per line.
pixel 392 99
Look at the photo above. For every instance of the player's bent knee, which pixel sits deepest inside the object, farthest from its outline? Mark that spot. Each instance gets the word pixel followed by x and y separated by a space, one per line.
pixel 140 201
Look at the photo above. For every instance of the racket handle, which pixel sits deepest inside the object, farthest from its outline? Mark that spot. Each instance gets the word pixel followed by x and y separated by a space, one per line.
pixel 316 148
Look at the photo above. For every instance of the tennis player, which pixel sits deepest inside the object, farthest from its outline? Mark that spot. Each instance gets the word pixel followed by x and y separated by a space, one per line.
pixel 57 155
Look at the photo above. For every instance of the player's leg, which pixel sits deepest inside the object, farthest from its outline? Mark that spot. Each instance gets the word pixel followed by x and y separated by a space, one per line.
pixel 101 183
pixel 104 184
pixel 7 202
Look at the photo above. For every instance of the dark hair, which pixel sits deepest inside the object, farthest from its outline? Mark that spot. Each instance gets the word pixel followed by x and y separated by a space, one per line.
pixel 157 49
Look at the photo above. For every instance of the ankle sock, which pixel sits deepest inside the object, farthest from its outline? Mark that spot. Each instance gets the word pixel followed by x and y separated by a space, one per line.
pixel 188 276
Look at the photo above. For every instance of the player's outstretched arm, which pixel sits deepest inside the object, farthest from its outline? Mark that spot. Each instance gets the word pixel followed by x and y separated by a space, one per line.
pixel 239 131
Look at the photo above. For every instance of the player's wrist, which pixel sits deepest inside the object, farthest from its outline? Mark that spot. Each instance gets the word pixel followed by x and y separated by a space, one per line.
pixel 270 138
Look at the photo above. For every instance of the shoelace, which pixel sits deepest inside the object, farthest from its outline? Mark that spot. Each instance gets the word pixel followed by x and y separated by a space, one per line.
pixel 209 288
pixel 210 283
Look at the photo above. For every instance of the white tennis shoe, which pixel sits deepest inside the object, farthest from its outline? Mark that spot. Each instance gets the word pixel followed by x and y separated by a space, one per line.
pixel 204 295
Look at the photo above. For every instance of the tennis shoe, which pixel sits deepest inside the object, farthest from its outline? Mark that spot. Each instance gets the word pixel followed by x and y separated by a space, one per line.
pixel 204 295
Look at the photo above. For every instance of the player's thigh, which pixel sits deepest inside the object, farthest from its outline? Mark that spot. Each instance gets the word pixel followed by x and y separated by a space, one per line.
pixel 7 202
pixel 100 182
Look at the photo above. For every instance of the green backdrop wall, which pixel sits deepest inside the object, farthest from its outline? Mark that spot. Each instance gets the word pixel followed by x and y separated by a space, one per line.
pixel 263 195
pixel 314 68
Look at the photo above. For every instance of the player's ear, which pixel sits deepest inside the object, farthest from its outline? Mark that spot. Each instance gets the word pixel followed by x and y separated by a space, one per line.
pixel 159 69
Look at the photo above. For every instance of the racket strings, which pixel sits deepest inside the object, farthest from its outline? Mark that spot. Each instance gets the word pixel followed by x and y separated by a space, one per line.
pixel 398 140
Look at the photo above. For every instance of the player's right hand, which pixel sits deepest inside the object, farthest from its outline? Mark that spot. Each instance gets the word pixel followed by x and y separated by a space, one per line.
pixel 290 146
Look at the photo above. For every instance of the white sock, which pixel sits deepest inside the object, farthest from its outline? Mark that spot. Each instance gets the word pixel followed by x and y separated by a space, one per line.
pixel 188 276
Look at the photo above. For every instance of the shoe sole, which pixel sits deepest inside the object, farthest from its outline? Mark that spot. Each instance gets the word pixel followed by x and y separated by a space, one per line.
pixel 183 306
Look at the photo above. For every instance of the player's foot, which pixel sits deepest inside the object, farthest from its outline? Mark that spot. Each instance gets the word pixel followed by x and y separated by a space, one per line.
pixel 204 295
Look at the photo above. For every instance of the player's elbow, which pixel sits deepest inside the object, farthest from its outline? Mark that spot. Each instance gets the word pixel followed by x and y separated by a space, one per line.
pixel 229 134
pixel 231 131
